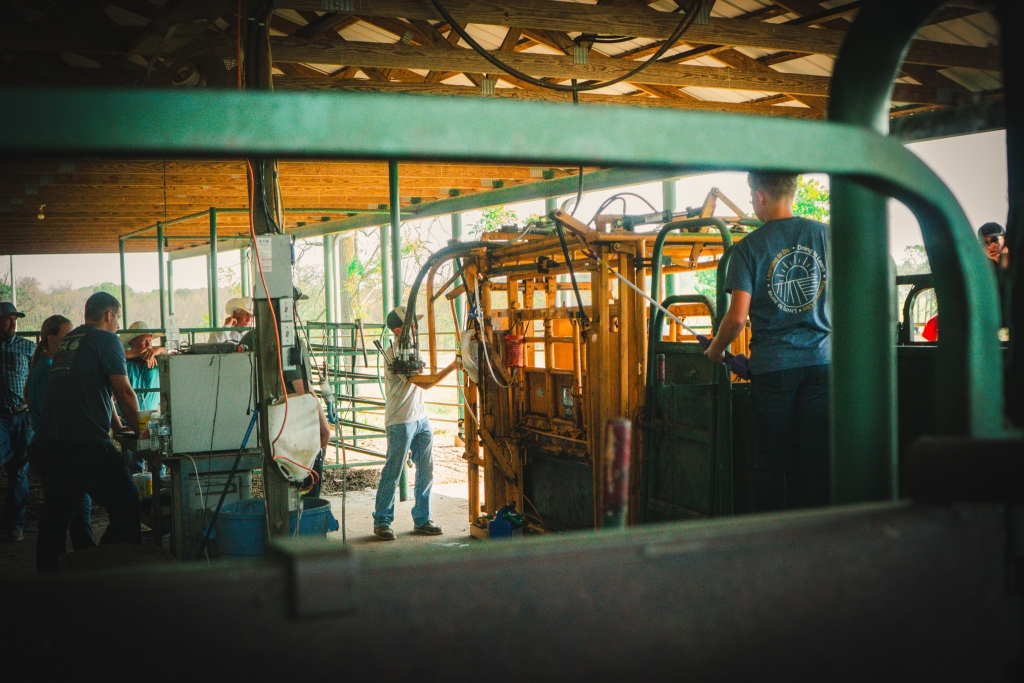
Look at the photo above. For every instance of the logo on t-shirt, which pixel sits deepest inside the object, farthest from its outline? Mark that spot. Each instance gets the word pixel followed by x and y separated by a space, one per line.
pixel 796 279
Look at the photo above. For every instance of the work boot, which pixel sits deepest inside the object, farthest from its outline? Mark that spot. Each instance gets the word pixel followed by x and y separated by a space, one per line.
pixel 384 532
pixel 428 528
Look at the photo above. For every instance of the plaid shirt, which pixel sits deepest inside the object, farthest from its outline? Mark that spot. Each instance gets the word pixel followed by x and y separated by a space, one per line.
pixel 15 354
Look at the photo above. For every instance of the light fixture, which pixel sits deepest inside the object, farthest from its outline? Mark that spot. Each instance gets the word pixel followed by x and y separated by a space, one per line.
pixel 41 215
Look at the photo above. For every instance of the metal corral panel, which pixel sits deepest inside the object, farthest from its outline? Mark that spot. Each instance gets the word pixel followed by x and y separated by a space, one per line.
pixel 209 399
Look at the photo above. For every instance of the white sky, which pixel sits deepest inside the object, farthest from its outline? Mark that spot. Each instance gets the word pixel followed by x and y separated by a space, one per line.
pixel 973 166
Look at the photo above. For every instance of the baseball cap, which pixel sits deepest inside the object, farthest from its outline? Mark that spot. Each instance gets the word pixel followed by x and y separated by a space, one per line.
pixel 991 230
pixel 7 308
pixel 396 318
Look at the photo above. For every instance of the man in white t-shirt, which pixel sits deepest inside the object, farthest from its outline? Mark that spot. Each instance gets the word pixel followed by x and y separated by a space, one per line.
pixel 239 310
pixel 405 418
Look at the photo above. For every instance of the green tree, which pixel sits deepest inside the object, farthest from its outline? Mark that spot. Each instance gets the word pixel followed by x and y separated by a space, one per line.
pixel 493 219
pixel 706 282
pixel 812 201
pixel 915 261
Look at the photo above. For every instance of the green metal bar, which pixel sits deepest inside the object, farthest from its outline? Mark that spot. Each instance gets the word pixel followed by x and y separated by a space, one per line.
pixel 230 124
pixel 214 271
pixel 246 268
pixel 385 270
pixel 668 203
pixel 170 287
pixel 394 200
pixel 396 233
pixel 548 190
pixel 863 386
pixel 329 278
pixel 160 267
pixel 209 294
pixel 124 286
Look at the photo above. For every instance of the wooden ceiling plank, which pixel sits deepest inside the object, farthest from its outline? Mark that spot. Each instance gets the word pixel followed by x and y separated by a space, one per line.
pixel 285 83
pixel 409 56
pixel 648 23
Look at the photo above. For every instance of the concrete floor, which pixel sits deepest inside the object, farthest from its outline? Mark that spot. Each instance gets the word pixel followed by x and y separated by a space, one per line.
pixel 448 508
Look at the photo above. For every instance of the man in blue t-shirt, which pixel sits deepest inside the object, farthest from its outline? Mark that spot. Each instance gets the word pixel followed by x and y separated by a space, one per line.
pixel 87 374
pixel 777 276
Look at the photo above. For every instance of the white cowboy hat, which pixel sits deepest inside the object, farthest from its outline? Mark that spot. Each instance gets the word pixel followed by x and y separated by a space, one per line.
pixel 127 336
pixel 238 303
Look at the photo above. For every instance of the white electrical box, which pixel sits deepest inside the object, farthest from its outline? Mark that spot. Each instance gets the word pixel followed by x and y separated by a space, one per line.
pixel 209 400
pixel 274 265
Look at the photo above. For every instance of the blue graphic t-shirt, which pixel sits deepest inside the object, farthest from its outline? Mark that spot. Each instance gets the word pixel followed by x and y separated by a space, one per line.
pixel 783 266
pixel 78 396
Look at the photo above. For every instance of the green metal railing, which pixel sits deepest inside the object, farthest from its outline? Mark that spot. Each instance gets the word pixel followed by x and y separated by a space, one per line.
pixel 229 124
pixel 357 383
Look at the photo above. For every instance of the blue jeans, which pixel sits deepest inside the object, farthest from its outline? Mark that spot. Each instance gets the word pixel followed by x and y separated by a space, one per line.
pixel 790 407
pixel 74 469
pixel 80 528
pixel 418 437
pixel 14 436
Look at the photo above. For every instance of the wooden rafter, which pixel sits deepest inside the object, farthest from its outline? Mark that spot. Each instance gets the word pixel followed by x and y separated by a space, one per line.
pixel 647 23
pixel 383 56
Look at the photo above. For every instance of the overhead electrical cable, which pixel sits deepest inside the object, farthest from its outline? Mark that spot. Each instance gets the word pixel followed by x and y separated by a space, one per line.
pixel 691 15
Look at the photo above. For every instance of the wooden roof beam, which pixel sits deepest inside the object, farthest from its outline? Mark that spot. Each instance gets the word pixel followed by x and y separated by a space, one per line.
pixel 648 23
pixel 286 83
pixel 562 67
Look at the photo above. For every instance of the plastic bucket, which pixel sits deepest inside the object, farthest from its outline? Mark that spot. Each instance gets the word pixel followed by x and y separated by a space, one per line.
pixel 241 526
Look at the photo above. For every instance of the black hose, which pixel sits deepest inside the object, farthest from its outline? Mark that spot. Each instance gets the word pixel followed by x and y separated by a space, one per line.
pixel 227 485
pixel 687 21
pixel 572 274
pixel 437 256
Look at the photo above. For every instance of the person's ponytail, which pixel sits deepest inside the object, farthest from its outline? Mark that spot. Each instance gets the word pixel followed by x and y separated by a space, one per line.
pixel 50 326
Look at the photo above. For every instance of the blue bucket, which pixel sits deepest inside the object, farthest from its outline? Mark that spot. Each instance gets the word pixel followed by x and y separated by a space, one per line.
pixel 241 526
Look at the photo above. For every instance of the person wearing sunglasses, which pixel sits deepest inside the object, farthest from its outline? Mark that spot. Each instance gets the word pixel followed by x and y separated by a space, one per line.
pixel 993 238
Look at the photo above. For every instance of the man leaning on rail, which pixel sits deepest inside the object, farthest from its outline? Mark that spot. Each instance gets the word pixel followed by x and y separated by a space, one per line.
pixel 777 275
pixel 408 429
pixel 88 371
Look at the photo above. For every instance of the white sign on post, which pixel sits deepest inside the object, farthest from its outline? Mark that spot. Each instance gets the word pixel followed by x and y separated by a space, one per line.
pixel 265 248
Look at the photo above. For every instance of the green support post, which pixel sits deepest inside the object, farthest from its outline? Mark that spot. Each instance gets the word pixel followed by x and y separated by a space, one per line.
pixel 396 274
pixel 160 267
pixel 214 298
pixel 385 268
pixel 170 287
pixel 668 203
pixel 124 286
pixel 328 248
pixel 245 265
pixel 863 384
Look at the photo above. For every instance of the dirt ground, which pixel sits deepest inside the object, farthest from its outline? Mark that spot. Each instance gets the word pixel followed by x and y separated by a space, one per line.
pixel 448 500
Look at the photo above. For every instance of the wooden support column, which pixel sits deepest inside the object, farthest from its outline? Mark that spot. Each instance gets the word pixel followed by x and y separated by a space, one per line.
pixel 262 186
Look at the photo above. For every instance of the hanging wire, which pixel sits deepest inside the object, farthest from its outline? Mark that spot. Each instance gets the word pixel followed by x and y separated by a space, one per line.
pixel 691 15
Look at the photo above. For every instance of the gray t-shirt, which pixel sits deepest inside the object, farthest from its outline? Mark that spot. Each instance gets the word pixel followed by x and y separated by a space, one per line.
pixel 403 400
pixel 783 266
pixel 77 405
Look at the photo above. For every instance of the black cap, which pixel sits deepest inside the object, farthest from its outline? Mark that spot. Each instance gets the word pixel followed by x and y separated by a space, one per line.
pixel 991 230
pixel 7 308
pixel 297 294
